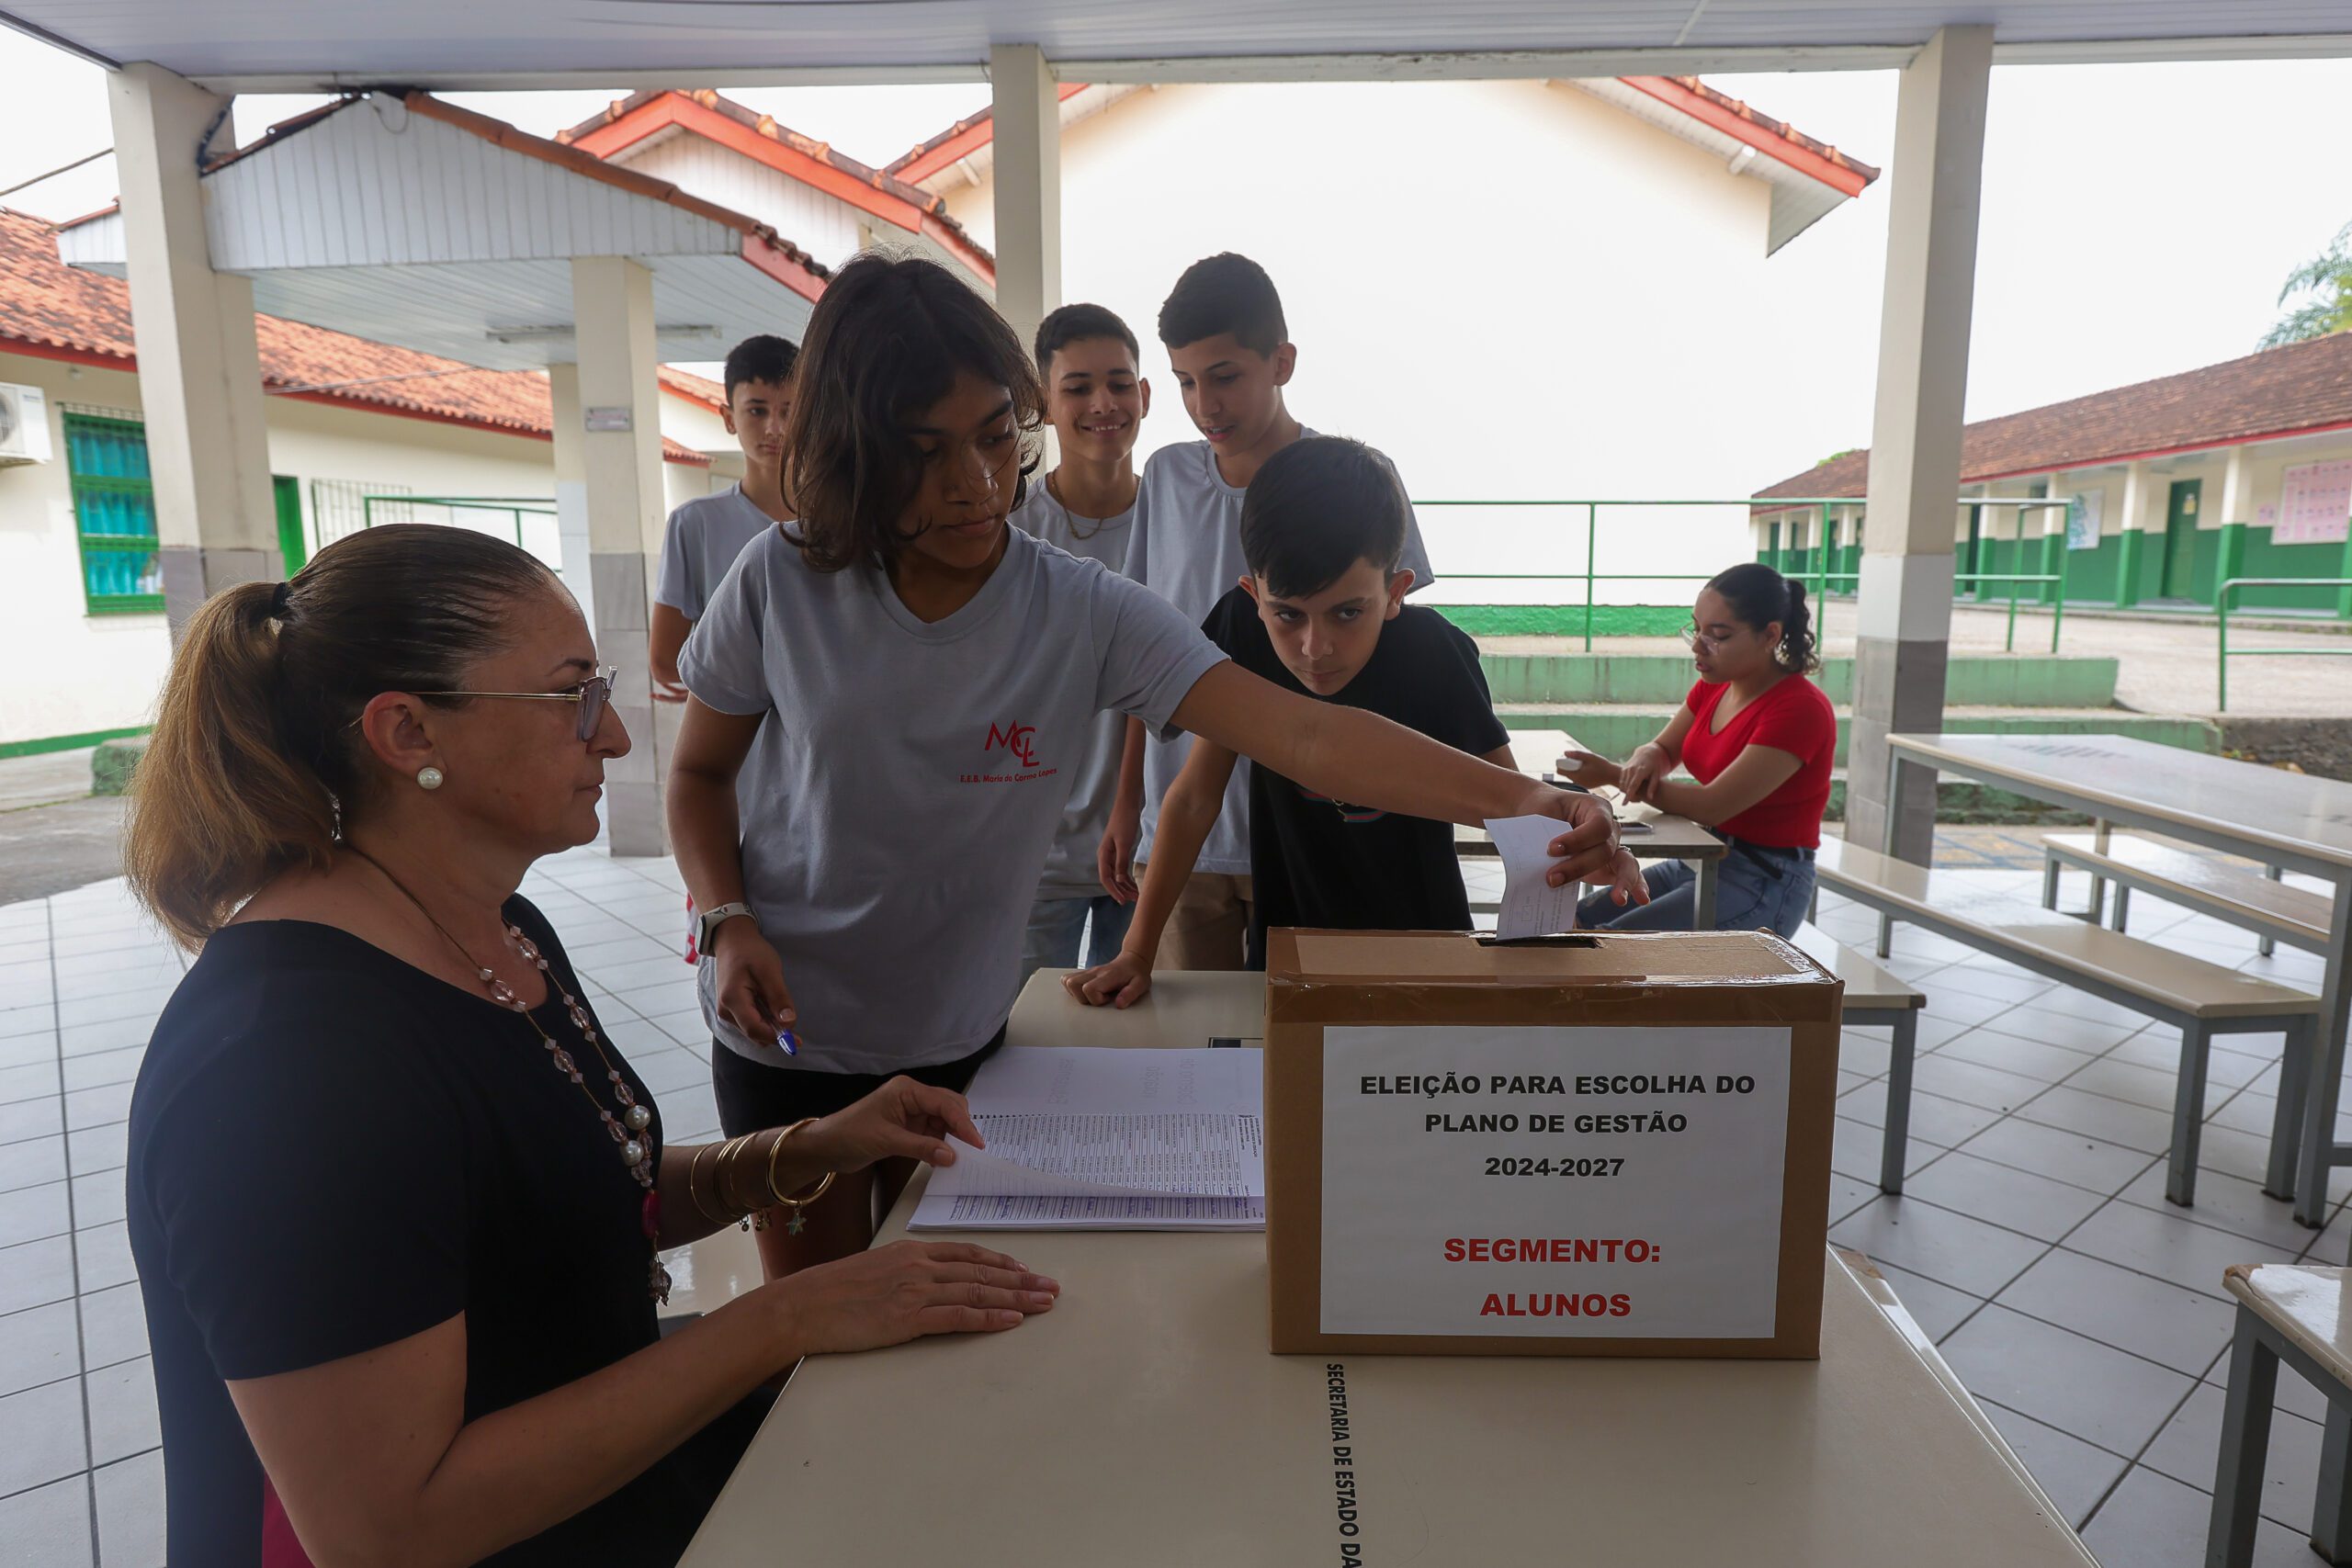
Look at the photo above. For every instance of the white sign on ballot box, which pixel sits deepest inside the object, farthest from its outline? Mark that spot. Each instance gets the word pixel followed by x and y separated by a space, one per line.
pixel 1599 1182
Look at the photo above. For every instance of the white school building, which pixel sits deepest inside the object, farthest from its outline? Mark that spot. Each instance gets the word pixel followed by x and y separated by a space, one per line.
pixel 1642 191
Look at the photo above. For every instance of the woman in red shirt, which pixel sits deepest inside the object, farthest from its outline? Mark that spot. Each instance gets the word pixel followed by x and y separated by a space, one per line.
pixel 1760 738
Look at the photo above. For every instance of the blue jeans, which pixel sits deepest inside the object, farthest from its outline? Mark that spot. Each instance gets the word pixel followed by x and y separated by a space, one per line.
pixel 1057 926
pixel 1758 888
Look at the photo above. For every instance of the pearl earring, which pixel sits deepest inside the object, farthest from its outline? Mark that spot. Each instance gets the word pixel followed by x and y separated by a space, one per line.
pixel 429 778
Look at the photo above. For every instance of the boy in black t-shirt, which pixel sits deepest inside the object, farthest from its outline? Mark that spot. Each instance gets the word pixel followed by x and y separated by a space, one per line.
pixel 1322 612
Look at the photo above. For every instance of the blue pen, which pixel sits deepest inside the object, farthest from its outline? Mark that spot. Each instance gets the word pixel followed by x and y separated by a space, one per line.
pixel 791 1046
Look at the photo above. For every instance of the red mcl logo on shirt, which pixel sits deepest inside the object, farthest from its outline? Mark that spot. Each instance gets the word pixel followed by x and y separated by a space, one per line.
pixel 1018 742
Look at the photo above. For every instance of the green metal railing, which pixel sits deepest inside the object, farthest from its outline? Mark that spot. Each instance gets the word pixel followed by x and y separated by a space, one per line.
pixel 2057 600
pixel 2223 652
pixel 1817 577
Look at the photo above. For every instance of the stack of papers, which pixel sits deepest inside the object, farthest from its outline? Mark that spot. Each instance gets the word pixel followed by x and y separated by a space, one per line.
pixel 1106 1138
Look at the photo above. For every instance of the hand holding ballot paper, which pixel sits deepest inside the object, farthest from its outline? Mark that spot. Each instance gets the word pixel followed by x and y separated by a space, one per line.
pixel 1099 1139
pixel 1533 904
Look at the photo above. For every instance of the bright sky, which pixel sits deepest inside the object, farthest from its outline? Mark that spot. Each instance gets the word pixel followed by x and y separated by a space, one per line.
pixel 2137 219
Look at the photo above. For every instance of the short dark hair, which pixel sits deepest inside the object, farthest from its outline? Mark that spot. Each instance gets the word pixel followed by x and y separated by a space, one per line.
pixel 760 357
pixel 1225 293
pixel 1077 324
pixel 1316 508
pixel 886 341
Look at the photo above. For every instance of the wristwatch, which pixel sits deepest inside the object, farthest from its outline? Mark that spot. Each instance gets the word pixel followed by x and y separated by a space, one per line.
pixel 707 926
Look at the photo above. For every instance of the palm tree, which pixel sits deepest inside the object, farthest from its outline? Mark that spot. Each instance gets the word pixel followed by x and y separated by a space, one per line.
pixel 2327 279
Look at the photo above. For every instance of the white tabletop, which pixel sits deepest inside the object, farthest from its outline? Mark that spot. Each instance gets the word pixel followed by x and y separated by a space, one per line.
pixel 2122 776
pixel 2309 1305
pixel 1670 837
pixel 1143 1422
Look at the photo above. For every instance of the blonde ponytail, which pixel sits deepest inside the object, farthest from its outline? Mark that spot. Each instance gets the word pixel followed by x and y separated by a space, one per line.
pixel 217 806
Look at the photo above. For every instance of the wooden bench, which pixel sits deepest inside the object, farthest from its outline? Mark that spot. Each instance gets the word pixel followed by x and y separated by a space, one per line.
pixel 1874 996
pixel 2198 998
pixel 2294 1313
pixel 2257 903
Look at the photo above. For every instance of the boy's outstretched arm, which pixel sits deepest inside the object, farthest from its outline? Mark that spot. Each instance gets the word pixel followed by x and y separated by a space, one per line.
pixel 1624 881
pixel 1186 814
pixel 1359 756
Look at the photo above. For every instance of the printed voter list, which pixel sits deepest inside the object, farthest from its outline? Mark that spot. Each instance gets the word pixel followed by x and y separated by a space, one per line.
pixel 1090 1138
pixel 1559 1181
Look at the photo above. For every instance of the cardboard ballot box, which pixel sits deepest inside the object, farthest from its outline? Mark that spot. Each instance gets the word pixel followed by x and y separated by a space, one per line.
pixel 1595 1145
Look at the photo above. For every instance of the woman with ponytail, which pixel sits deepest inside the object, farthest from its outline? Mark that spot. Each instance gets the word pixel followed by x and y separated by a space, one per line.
pixel 1759 738
pixel 397 1204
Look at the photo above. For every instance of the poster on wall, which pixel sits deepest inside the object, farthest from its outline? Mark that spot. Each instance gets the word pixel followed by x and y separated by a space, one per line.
pixel 2314 504
pixel 2084 513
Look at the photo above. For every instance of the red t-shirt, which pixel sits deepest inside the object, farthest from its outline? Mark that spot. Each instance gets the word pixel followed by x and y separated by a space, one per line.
pixel 1793 716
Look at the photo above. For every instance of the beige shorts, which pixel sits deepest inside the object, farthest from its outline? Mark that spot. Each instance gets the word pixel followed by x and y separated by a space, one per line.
pixel 1209 927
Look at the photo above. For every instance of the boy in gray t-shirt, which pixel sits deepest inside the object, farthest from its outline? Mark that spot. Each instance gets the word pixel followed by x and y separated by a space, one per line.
pixel 1224 330
pixel 1096 399
pixel 704 535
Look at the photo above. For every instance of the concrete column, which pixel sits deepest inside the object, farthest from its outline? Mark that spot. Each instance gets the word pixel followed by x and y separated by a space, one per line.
pixel 199 367
pixel 2237 511
pixel 2237 488
pixel 1026 110
pixel 619 434
pixel 571 486
pixel 2054 538
pixel 2130 516
pixel 1905 615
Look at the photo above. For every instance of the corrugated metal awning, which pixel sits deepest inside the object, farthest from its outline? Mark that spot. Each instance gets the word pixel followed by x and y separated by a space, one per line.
pixel 401 219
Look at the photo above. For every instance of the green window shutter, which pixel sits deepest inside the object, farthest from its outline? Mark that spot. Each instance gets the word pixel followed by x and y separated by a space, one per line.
pixel 114 514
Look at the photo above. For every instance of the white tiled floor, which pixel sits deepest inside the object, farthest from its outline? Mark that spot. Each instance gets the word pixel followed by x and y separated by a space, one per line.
pixel 2033 1243
pixel 82 977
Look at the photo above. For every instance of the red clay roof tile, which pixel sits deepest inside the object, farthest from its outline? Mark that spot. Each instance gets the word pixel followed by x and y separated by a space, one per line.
pixel 2281 391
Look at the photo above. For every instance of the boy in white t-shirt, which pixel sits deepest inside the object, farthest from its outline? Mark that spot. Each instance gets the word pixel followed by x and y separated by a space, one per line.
pixel 1226 337
pixel 1096 399
pixel 704 535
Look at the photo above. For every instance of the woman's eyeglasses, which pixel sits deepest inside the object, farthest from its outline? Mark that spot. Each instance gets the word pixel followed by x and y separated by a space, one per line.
pixel 592 694
pixel 1706 642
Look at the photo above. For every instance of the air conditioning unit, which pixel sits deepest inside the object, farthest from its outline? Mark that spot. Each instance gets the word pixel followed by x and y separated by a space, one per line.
pixel 24 425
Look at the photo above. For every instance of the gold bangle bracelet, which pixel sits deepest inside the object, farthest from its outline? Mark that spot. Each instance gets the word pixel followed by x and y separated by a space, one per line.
pixel 798 1221
pixel 730 1152
pixel 694 1192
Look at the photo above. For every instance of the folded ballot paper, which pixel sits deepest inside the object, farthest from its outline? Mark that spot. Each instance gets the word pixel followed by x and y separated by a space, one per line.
pixel 1108 1138
pixel 1530 907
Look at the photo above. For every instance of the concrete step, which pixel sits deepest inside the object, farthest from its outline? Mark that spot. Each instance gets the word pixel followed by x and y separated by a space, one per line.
pixel 1975 679
pixel 1614 729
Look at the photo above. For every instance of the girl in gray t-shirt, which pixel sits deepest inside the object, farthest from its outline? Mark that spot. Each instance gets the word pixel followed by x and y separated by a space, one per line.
pixel 928 675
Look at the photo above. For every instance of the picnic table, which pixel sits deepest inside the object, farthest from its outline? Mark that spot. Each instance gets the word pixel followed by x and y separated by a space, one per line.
pixel 2287 819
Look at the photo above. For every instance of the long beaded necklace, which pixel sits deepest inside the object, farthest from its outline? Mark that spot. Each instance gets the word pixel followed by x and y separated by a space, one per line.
pixel 631 1129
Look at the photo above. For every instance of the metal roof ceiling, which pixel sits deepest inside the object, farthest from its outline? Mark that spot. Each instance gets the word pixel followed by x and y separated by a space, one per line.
pixel 408 221
pixel 452 43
